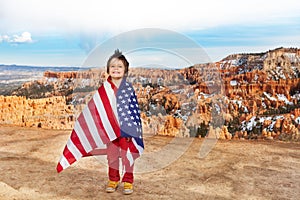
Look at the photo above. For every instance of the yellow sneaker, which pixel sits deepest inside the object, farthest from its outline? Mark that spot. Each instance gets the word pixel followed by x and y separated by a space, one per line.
pixel 128 188
pixel 112 186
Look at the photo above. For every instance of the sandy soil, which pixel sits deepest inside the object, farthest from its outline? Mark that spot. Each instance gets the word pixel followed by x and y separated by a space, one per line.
pixel 232 170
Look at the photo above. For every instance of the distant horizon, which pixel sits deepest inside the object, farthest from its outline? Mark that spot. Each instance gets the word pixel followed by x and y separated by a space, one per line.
pixel 90 67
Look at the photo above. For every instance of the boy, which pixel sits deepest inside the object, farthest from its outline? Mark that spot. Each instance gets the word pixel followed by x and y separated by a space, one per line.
pixel 129 144
pixel 109 124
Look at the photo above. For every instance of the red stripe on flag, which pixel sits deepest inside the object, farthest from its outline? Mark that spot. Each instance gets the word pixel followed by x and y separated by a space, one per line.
pixel 109 111
pixel 68 155
pixel 59 168
pixel 86 130
pixel 97 152
pixel 98 122
pixel 77 142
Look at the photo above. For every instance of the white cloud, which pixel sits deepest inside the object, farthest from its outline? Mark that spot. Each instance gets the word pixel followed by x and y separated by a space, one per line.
pixel 116 16
pixel 25 37
pixel 4 38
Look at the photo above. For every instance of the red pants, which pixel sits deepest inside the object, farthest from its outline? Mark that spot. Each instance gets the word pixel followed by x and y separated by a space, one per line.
pixel 115 149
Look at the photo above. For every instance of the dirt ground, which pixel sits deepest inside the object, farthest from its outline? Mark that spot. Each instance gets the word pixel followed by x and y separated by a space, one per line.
pixel 232 170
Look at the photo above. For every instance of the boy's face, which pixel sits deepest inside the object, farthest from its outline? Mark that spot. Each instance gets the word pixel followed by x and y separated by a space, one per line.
pixel 116 69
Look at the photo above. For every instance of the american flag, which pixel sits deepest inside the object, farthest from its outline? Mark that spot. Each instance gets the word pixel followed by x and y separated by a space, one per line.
pixel 111 113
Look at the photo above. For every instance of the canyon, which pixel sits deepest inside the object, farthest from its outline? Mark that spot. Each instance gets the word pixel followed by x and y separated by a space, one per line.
pixel 243 96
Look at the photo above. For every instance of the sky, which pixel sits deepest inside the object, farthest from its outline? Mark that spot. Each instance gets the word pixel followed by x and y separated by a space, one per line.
pixel 67 33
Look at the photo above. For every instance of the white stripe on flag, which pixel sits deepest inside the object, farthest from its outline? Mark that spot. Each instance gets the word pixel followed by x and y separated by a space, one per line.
pixel 105 121
pixel 92 127
pixel 73 149
pixel 139 148
pixel 112 98
pixel 81 135
pixel 129 157
pixel 64 162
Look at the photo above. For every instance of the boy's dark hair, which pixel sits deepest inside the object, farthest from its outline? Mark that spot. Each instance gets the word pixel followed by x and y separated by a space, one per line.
pixel 118 54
